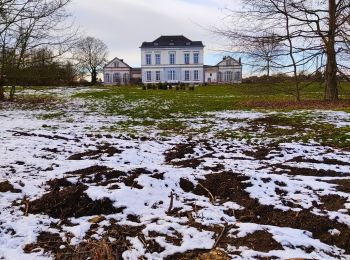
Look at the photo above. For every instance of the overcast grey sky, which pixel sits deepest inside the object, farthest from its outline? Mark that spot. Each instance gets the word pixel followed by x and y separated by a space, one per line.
pixel 124 24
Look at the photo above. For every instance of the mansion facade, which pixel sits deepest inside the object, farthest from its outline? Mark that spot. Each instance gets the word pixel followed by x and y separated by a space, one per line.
pixel 173 59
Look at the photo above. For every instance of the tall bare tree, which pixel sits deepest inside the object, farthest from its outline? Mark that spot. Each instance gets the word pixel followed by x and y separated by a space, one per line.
pixel 91 54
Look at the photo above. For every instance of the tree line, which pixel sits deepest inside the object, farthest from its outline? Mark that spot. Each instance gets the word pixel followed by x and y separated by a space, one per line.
pixel 40 45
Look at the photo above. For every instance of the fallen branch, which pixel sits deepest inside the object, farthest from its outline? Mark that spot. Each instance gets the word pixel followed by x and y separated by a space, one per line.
pixel 212 199
pixel 26 209
pixel 219 237
pixel 171 201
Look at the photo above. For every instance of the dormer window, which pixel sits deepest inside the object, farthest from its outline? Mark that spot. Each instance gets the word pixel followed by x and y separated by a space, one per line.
pixel 188 43
pixel 171 44
pixel 156 44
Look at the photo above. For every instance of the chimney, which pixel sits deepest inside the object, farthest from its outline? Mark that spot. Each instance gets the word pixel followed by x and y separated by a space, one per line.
pixel 121 60
pixel 240 60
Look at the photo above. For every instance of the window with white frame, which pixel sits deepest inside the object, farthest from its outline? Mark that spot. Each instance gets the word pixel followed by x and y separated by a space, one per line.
pixel 158 59
pixel 187 75
pixel 196 58
pixel 148 59
pixel 107 78
pixel 157 75
pixel 172 58
pixel 171 75
pixel 196 75
pixel 149 75
pixel 187 58
pixel 228 76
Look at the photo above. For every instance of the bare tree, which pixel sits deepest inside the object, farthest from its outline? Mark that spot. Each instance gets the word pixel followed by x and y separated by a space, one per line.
pixel 264 51
pixel 28 25
pixel 91 54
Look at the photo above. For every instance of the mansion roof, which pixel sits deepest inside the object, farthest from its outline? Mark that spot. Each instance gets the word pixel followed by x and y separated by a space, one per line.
pixel 172 41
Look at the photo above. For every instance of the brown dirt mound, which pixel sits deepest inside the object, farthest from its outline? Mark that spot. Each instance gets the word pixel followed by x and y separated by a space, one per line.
pixel 190 163
pixel 179 151
pixel 186 185
pixel 232 187
pixel 6 186
pixel 57 184
pixel 259 153
pixel 92 249
pixel 343 185
pixel 310 172
pixel 333 202
pixel 261 241
pixel 90 170
pixel 95 154
pixel 71 202
pixel 103 176
pixel 325 161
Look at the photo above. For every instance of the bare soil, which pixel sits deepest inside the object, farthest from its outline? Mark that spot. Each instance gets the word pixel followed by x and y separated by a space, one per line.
pixel 6 186
pixel 71 202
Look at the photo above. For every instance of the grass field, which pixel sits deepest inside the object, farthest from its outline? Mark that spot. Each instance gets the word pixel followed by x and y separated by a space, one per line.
pixel 222 172
pixel 139 103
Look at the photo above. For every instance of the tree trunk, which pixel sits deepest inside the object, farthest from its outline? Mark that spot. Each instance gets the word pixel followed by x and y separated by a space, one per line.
pixel 12 93
pixel 2 93
pixel 331 67
pixel 93 77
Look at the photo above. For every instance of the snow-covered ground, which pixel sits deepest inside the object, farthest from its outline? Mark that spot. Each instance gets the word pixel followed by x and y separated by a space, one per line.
pixel 176 190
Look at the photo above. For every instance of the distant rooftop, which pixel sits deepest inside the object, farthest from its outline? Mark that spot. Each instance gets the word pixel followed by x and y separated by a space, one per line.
pixel 172 41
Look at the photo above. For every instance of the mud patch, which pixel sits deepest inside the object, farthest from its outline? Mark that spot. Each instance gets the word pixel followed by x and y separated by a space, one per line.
pixel 309 172
pixel 190 163
pixel 186 185
pixel 91 249
pixel 333 202
pixel 261 241
pixel 6 186
pixel 259 153
pixel 179 151
pixel 343 185
pixel 325 161
pixel 105 149
pixel 71 202
pixel 232 188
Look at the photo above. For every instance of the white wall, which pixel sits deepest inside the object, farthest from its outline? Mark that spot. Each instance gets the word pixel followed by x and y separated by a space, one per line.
pixel 180 67
pixel 164 52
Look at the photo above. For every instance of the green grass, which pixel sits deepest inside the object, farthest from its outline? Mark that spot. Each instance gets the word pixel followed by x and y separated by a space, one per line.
pixel 161 104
